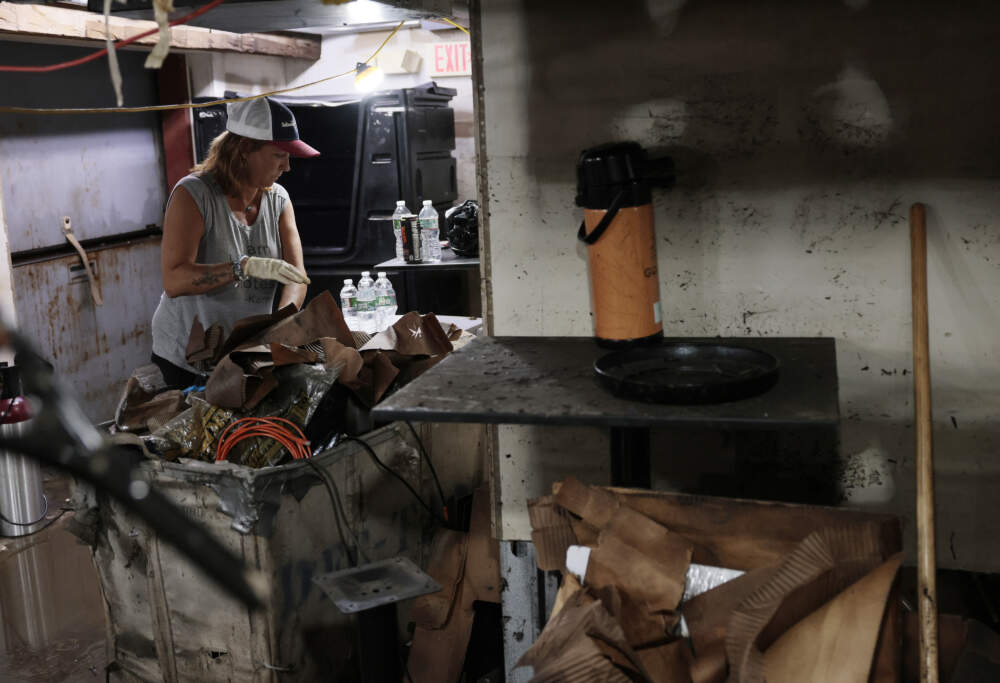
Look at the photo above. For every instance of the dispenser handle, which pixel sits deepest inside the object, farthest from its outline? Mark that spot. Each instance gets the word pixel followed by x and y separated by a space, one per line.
pixel 605 221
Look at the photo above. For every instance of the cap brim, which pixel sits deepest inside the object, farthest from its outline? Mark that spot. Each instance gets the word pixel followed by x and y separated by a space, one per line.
pixel 296 148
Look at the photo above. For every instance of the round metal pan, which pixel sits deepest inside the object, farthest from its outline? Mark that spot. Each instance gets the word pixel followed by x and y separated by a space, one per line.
pixel 687 373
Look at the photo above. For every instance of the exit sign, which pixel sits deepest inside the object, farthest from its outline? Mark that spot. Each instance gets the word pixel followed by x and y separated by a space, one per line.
pixel 451 59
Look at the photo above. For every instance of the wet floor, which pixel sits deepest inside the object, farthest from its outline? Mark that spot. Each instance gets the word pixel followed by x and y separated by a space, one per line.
pixel 51 613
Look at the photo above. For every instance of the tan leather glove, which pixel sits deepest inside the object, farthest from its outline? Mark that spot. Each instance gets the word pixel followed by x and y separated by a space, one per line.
pixel 274 269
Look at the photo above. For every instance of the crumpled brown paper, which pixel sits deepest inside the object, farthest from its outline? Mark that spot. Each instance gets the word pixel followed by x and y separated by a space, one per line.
pixel 144 403
pixel 837 641
pixel 412 335
pixel 825 562
pixel 317 333
pixel 583 643
pixel 551 533
pixel 447 567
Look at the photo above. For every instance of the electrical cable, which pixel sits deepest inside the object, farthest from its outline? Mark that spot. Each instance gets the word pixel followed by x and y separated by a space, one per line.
pixel 405 483
pixel 45 511
pixel 121 43
pixel 406 667
pixel 456 25
pixel 62 511
pixel 338 513
pixel 282 430
pixel 189 105
pixel 430 465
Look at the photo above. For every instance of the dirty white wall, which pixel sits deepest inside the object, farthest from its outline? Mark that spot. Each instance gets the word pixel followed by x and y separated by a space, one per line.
pixel 212 74
pixel 802 133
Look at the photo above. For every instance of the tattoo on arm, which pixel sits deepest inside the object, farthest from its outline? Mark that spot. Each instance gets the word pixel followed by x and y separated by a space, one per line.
pixel 208 279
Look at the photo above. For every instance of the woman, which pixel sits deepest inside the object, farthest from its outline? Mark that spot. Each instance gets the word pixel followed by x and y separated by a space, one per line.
pixel 229 235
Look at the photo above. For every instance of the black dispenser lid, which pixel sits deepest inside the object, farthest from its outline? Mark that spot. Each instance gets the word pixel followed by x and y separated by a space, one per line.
pixel 606 170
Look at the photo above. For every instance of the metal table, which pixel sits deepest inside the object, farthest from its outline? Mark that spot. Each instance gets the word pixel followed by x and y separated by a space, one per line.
pixel 450 286
pixel 448 261
pixel 549 380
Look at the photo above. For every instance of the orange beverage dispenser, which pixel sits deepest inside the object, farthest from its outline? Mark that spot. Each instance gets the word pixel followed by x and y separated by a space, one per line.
pixel 614 184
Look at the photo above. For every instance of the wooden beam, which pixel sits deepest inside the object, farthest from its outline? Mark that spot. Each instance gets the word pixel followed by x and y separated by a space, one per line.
pixel 40 21
pixel 178 137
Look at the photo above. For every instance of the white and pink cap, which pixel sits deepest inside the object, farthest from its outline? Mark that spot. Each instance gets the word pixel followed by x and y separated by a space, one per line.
pixel 266 119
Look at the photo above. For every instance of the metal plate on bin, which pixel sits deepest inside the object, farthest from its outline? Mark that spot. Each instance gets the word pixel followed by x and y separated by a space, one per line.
pixel 379 583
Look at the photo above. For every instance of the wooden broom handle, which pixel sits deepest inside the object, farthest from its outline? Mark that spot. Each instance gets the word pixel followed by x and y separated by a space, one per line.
pixel 926 552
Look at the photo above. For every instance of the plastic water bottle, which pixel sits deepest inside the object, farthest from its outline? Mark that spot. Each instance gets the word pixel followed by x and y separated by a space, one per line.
pixel 385 301
pixel 349 304
pixel 366 303
pixel 397 226
pixel 431 251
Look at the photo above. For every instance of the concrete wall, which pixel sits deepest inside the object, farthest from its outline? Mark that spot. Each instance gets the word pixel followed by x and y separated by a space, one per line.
pixel 802 133
pixel 212 74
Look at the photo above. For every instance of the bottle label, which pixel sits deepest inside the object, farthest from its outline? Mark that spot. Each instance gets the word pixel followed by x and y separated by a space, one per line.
pixel 348 304
pixel 411 240
pixel 382 300
pixel 428 223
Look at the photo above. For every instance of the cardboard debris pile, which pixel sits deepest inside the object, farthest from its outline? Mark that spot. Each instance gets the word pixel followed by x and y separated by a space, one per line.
pixel 305 366
pixel 467 567
pixel 648 592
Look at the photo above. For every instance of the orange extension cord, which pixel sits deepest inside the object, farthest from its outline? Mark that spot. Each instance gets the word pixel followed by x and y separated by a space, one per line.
pixel 284 431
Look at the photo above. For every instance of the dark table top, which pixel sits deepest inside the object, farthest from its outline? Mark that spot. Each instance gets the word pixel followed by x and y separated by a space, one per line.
pixel 549 380
pixel 448 260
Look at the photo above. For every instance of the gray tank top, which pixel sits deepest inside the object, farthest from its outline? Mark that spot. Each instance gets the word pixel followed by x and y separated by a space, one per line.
pixel 225 239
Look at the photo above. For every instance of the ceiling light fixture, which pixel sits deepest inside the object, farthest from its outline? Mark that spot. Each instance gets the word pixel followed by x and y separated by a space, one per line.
pixel 367 77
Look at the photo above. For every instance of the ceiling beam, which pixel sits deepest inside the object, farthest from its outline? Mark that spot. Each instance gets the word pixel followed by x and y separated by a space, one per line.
pixel 22 21
pixel 284 15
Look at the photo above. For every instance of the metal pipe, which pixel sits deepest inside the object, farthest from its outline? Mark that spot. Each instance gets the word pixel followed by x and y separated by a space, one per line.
pixel 22 499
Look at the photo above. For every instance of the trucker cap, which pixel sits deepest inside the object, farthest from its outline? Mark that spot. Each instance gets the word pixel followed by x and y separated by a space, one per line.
pixel 265 119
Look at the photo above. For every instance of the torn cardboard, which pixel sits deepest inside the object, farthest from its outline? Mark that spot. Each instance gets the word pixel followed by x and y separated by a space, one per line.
pixel 825 563
pixel 551 533
pixel 446 566
pixel 438 653
pixel 583 643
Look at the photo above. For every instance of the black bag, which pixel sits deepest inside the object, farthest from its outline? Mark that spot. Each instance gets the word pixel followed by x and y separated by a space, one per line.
pixel 462 229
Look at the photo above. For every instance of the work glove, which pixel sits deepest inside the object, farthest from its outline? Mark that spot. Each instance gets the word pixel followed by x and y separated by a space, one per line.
pixel 274 269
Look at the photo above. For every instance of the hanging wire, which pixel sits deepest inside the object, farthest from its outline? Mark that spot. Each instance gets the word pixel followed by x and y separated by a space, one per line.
pixel 458 26
pixel 191 105
pixel 389 470
pixel 430 465
pixel 121 43
pixel 339 515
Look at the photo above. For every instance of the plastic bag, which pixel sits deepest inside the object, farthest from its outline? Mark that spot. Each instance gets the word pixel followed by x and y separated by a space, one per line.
pixel 195 432
pixel 462 229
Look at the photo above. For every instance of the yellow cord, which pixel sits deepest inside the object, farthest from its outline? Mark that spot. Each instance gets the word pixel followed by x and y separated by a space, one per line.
pixel 192 105
pixel 458 26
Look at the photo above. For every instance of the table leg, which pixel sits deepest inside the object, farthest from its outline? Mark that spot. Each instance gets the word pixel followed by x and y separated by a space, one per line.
pixel 630 457
pixel 378 644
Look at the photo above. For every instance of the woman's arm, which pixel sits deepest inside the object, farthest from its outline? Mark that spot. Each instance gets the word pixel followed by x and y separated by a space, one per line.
pixel 183 228
pixel 291 251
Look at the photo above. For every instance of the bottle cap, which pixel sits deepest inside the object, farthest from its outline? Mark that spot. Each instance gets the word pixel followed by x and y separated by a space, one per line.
pixel 427 202
pixel 348 281
pixel 401 202
pixel 365 273
pixel 381 274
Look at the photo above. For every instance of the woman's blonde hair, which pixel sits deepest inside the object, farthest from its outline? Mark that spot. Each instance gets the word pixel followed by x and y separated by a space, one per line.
pixel 227 160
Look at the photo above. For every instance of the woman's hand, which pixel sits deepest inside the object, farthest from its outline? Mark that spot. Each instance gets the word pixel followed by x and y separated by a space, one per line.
pixel 274 269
